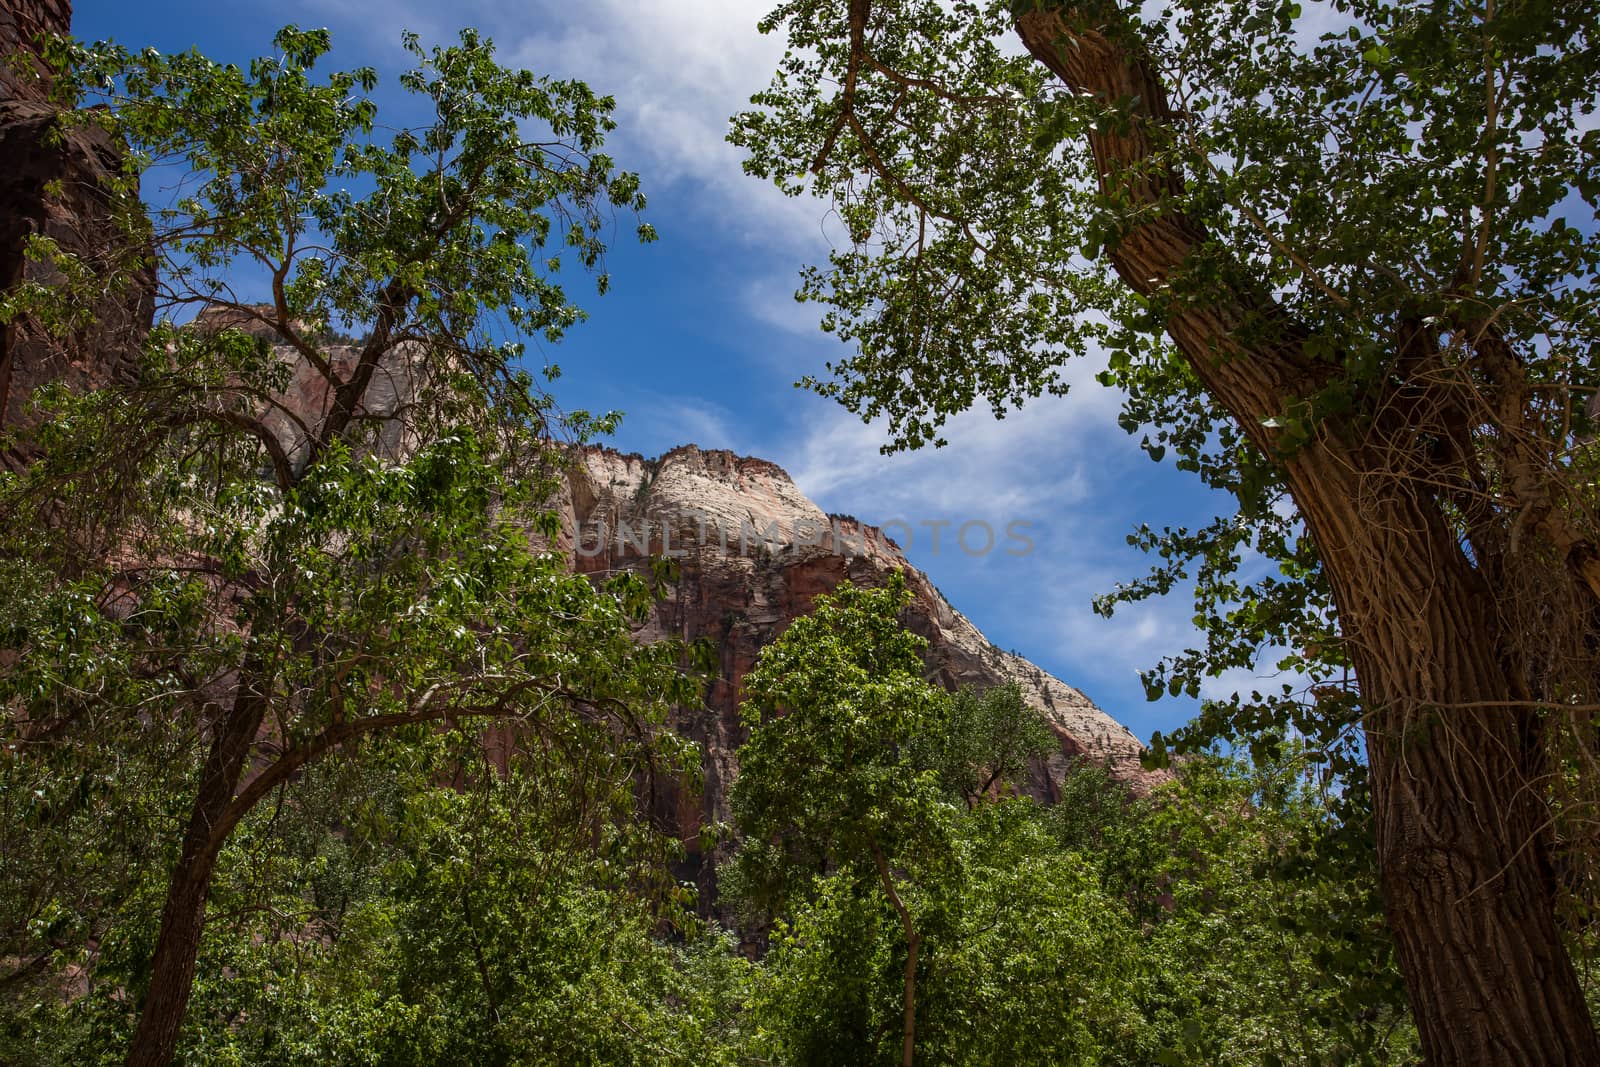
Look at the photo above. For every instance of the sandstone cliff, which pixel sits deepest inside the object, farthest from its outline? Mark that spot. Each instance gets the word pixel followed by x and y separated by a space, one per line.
pixel 753 552
pixel 53 183
pixel 752 549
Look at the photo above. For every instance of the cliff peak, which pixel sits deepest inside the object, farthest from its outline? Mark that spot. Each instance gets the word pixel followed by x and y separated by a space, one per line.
pixel 753 552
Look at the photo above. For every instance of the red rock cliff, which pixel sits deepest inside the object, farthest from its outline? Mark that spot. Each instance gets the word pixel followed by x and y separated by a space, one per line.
pixel 753 553
pixel 56 186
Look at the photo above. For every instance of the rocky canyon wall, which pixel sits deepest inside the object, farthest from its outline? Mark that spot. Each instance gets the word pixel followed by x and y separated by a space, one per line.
pixel 53 181
pixel 752 549
pixel 753 552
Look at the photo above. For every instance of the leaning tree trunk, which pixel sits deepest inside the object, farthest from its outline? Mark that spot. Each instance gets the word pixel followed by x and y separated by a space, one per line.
pixel 1459 774
pixel 1455 761
pixel 183 918
pixel 908 999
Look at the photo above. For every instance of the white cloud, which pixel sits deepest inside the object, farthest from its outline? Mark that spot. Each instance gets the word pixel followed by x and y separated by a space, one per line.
pixel 672 421
pixel 1053 452
pixel 1016 466
pixel 769 299
pixel 679 69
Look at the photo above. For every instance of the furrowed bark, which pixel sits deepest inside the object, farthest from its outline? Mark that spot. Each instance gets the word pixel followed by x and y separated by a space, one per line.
pixel 1458 774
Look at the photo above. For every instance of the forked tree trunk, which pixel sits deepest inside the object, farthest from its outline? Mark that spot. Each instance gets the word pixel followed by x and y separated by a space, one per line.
pixel 183 917
pixel 1455 759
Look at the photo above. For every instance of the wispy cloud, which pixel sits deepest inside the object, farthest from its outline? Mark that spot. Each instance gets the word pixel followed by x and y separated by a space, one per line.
pixel 769 299
pixel 679 70
pixel 1052 453
pixel 673 421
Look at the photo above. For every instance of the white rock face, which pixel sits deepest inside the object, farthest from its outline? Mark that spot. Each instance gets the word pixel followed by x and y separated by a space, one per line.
pixel 753 553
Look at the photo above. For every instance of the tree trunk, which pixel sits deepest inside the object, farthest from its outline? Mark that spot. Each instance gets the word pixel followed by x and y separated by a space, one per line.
pixel 1459 775
pixel 908 1009
pixel 908 999
pixel 1467 889
pixel 183 918
pixel 1455 758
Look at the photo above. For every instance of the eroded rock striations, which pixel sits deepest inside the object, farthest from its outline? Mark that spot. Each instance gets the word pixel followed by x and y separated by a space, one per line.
pixel 753 553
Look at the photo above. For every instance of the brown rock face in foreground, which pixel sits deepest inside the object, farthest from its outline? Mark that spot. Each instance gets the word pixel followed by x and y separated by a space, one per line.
pixel 21 21
pixel 753 553
pixel 55 185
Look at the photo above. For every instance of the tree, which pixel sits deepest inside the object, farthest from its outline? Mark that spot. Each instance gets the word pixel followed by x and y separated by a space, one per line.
pixel 1333 270
pixel 980 742
pixel 1258 944
pixel 826 776
pixel 1182 928
pixel 213 580
pixel 457 925
pixel 406 908
pixel 1025 960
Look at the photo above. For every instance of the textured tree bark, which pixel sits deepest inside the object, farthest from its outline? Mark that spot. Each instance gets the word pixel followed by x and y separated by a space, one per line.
pixel 1454 753
pixel 1458 779
pixel 183 917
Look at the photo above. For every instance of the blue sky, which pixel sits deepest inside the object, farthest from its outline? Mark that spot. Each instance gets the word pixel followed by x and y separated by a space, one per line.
pixel 700 339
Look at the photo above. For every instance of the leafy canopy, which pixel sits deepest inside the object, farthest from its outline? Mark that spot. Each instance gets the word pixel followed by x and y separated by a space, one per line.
pixel 318 518
pixel 1202 924
pixel 1380 170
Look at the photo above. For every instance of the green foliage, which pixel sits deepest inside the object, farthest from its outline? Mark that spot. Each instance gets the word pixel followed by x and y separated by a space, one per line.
pixel 942 288
pixel 439 925
pixel 193 556
pixel 981 741
pixel 1026 961
pixel 1193 927
pixel 455 213
pixel 1257 911
pixel 977 186
pixel 1226 919
pixel 827 773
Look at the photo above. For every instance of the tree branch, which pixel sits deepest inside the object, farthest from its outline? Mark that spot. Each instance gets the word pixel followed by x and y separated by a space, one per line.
pixel 282 468
pixel 860 11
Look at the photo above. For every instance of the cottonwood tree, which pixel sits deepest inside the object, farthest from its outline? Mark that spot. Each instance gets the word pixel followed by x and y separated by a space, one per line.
pixel 828 778
pixel 1342 259
pixel 243 562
